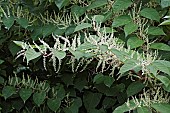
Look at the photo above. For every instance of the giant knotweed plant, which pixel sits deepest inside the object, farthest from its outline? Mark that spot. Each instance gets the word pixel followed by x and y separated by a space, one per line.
pixel 107 49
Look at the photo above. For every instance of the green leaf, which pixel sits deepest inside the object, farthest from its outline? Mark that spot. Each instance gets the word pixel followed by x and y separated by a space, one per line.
pixel 121 20
pixel 155 31
pixel 97 3
pixel 166 22
pixel 77 10
pixel 130 28
pixel 8 91
pixel 128 65
pixel 67 79
pixel 31 54
pixel 37 32
pixel 60 91
pixel 78 54
pixel 108 80
pixel 121 5
pixel 70 30
pixel 134 88
pixel 17 104
pixel 1 61
pixel 99 78
pixel 108 102
pixel 91 100
pixel 2 80
pixel 160 46
pixel 39 98
pixel 61 3
pixel 74 108
pixel 104 48
pixel 54 104
pixel 121 55
pixel 161 107
pixel 82 26
pixel 20 44
pixel 143 109
pixel 162 65
pixel 59 54
pixel 48 29
pixel 134 42
pixel 8 22
pixel 81 81
pixel 25 93
pixel 152 69
pixel 14 48
pixel 124 108
pixel 86 46
pixel 164 80
pixel 150 13
pixel 22 22
pixel 165 3
pixel 107 15
pixel 98 18
pixel 59 31
pixel 107 30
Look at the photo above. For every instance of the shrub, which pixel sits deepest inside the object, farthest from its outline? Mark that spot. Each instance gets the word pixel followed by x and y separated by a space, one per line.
pixel 84 56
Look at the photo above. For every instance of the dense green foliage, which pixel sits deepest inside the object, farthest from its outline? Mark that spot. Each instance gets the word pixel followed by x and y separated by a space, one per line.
pixel 84 56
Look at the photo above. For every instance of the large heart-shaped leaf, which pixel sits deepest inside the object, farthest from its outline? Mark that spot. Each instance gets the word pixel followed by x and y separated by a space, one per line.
pixel 54 104
pixel 48 29
pixel 121 20
pixel 128 65
pixel 134 88
pixel 150 13
pixel 91 100
pixel 134 42
pixel 39 98
pixel 8 22
pixel 99 78
pixel 8 91
pixel 82 26
pixel 108 80
pixel 60 91
pixel 25 93
pixel 31 54
pixel 59 54
pixel 80 82
pixel 121 4
pixel 130 28
pixel 160 46
pixel 23 22
pixel 155 31
pixel 78 54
